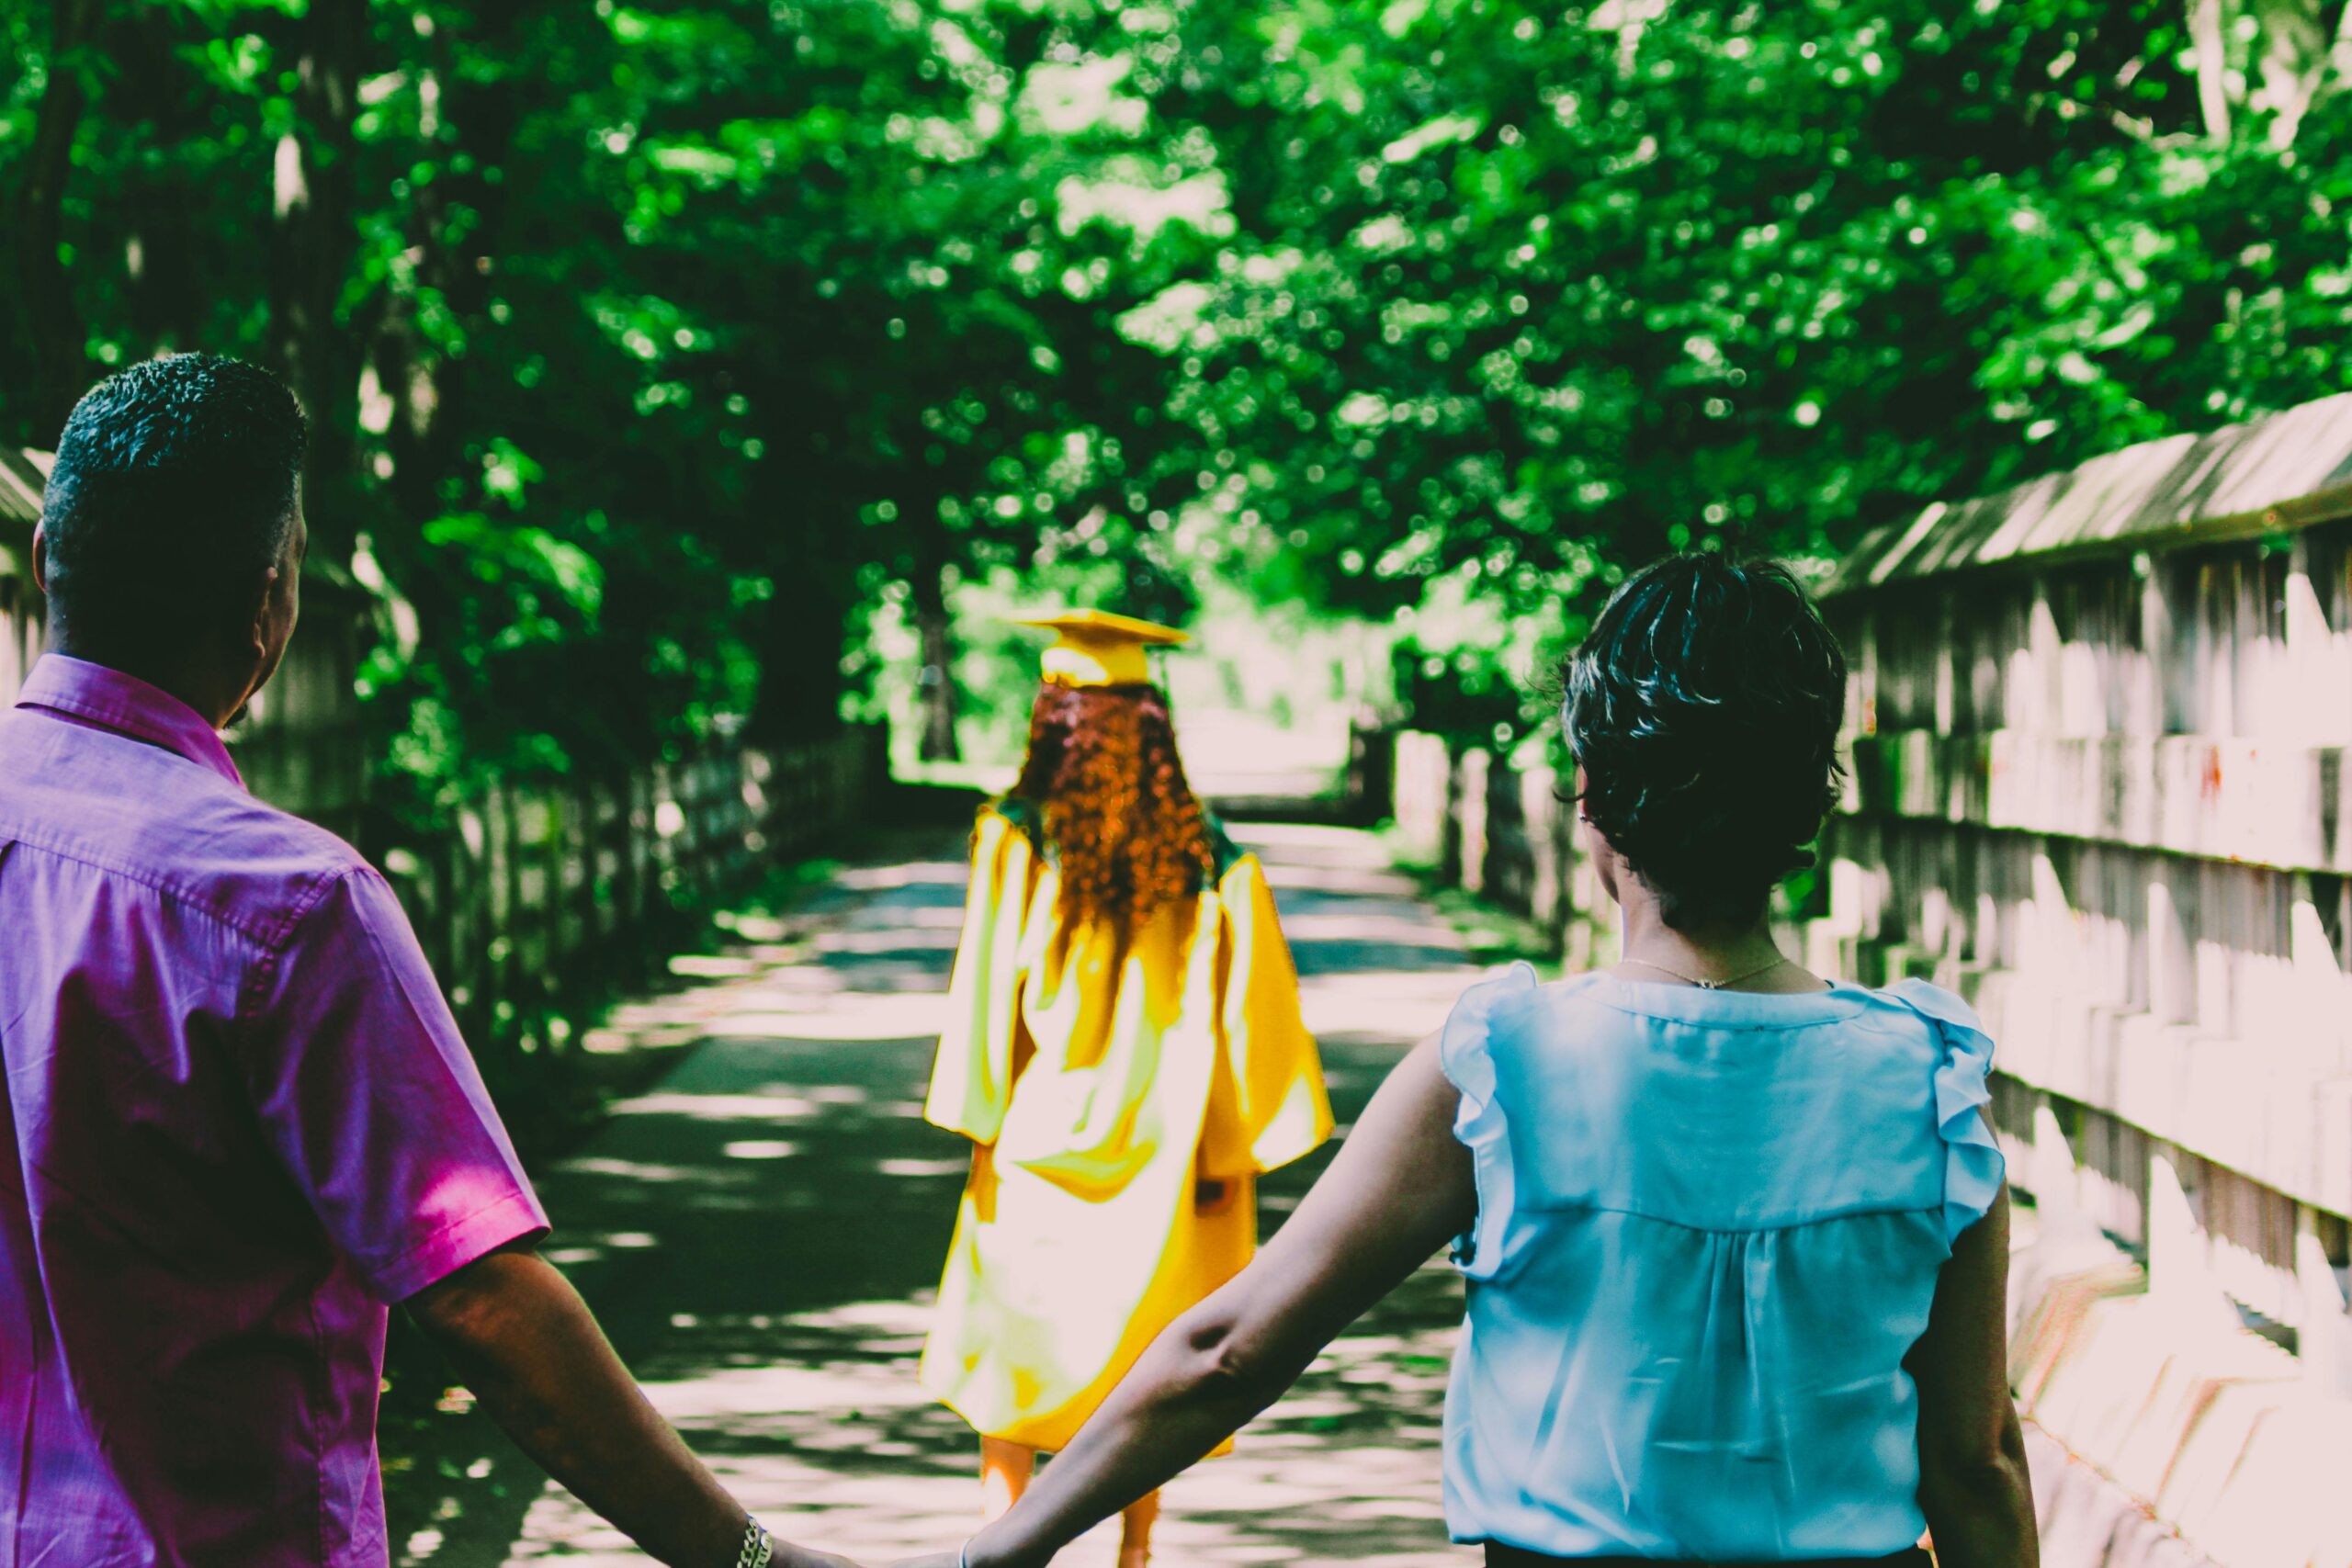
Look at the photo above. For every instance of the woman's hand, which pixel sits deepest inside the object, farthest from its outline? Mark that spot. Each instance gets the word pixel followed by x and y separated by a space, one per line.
pixel 790 1556
pixel 1400 1188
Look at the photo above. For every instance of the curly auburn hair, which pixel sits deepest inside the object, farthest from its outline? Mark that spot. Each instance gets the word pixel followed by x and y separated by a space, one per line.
pixel 1103 775
pixel 1703 709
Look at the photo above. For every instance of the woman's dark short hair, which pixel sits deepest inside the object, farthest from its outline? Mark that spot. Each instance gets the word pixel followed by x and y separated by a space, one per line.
pixel 1704 709
pixel 172 492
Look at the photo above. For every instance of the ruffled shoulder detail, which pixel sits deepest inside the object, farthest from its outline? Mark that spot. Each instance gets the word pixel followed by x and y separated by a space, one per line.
pixel 1973 1161
pixel 1464 1052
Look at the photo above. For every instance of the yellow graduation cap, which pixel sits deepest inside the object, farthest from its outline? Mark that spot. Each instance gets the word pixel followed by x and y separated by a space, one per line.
pixel 1094 647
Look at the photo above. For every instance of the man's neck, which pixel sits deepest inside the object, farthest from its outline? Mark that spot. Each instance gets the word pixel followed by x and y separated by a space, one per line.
pixel 215 699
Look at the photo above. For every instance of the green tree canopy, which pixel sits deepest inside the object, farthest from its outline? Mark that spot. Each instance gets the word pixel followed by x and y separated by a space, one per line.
pixel 647 354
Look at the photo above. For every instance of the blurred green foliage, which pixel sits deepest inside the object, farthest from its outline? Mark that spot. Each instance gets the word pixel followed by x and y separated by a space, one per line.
pixel 690 365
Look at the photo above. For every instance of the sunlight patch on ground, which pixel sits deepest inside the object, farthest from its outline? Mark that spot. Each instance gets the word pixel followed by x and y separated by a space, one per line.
pixel 918 1167
pixel 936 937
pixel 713 966
pixel 630 1170
pixel 721 1106
pixel 849 1017
pixel 1403 928
pixel 903 873
pixel 850 1456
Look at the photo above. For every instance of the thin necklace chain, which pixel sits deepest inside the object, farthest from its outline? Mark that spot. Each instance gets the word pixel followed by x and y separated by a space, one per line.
pixel 1710 985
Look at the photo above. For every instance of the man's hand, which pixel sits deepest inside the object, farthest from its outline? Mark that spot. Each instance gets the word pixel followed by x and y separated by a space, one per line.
pixel 520 1337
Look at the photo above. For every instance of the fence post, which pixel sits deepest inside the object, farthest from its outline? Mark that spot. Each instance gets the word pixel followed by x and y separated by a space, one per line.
pixel 541 841
pixel 758 772
pixel 1470 813
pixel 1371 772
pixel 660 837
pixel 1539 809
pixel 467 858
pixel 604 871
pixel 1510 872
pixel 1418 786
pixel 563 878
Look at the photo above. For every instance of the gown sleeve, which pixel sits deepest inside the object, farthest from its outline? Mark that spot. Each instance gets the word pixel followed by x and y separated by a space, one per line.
pixel 971 1078
pixel 1268 1107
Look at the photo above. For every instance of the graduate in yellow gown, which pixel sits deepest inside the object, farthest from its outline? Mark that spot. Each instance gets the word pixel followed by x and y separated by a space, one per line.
pixel 1126 1052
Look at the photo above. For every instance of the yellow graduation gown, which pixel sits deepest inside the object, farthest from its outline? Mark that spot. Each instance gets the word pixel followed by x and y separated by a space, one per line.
pixel 1102 1076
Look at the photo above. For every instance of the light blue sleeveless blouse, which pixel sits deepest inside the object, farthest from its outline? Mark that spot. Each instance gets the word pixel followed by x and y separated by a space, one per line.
pixel 1710 1225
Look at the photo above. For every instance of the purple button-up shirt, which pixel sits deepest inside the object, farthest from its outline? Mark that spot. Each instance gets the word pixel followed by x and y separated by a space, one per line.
pixel 239 1122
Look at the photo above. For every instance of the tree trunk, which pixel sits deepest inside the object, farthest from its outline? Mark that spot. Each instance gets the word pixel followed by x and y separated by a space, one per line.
pixel 404 369
pixel 935 684
pixel 800 632
pixel 457 225
pixel 2209 34
pixel 2294 64
pixel 314 240
pixel 2339 54
pixel 162 260
pixel 53 325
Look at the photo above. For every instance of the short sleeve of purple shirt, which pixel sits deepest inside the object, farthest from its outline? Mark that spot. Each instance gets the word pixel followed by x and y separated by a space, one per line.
pixel 367 1091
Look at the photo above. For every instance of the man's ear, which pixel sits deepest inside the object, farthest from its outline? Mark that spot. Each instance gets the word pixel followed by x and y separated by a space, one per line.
pixel 41 559
pixel 257 624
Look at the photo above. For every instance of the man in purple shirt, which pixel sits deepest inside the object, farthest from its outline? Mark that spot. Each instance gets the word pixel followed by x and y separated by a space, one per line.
pixel 239 1122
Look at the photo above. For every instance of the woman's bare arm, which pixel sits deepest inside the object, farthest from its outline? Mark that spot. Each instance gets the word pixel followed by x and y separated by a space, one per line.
pixel 1972 1482
pixel 1399 1189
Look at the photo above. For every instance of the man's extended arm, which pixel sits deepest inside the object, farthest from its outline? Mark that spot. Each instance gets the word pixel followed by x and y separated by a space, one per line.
pixel 527 1344
pixel 364 1087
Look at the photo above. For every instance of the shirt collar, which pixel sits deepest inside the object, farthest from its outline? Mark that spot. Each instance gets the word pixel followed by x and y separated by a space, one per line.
pixel 105 698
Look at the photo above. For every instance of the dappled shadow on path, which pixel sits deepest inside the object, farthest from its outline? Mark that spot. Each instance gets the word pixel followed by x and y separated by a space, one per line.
pixel 762 1235
pixel 815 1422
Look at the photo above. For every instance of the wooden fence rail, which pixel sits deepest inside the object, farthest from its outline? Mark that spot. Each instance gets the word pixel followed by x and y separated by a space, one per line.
pixel 530 887
pixel 2098 726
pixel 2119 1382
pixel 1504 833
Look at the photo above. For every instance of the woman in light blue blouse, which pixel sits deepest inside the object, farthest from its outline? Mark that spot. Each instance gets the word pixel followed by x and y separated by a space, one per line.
pixel 1735 1237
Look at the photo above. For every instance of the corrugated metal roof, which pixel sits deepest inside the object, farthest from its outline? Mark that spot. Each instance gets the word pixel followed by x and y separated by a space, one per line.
pixel 22 474
pixel 2284 470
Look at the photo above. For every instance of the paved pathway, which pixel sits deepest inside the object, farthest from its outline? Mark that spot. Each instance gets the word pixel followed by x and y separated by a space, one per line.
pixel 761 1233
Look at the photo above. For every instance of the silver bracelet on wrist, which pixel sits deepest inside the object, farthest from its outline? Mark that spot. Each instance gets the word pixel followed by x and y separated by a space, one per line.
pixel 759 1547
